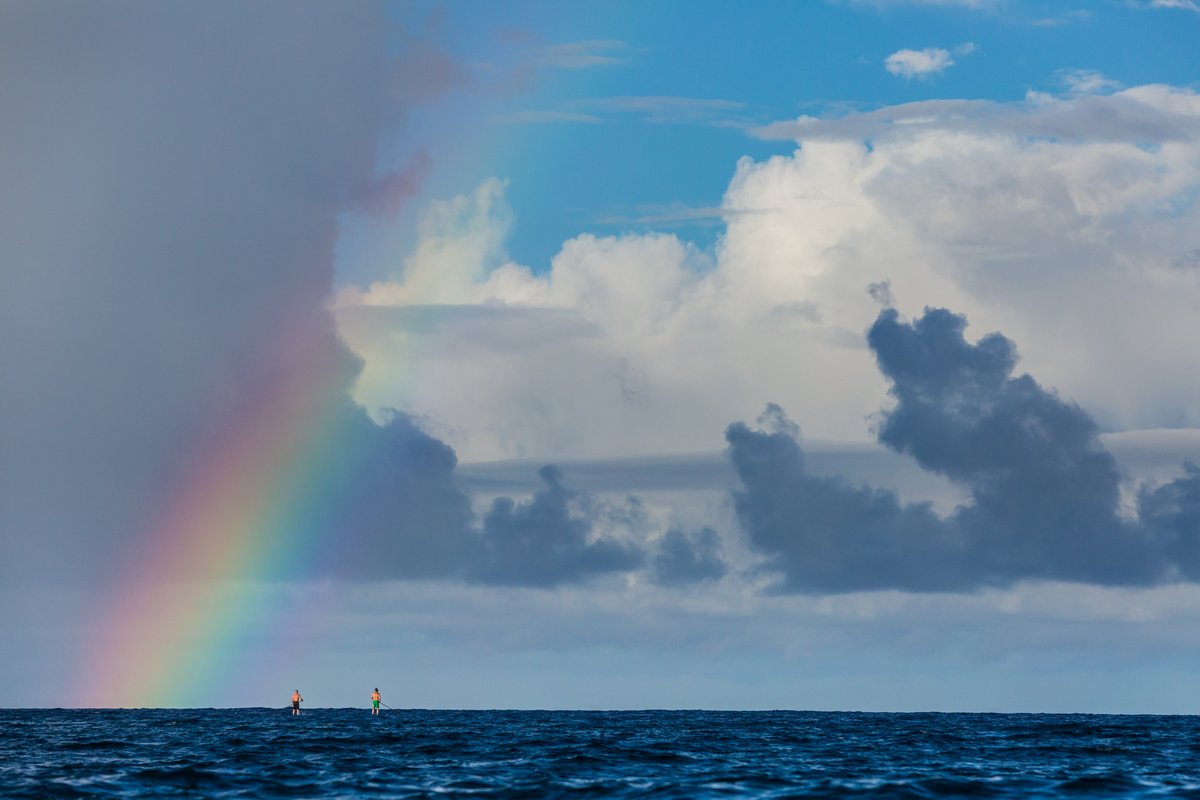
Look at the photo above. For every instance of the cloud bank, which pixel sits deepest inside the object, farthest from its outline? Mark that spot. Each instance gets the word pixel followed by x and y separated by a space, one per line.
pixel 1044 494
pixel 1069 221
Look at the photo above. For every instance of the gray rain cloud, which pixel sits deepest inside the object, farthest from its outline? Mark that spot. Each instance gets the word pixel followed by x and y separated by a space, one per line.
pixel 543 542
pixel 174 174
pixel 405 514
pixel 687 557
pixel 1044 493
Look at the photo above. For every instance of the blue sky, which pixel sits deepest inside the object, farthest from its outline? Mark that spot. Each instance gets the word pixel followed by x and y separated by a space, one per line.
pixel 763 61
pixel 831 355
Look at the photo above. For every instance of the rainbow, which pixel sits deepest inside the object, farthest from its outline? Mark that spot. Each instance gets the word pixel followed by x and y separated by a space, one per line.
pixel 260 501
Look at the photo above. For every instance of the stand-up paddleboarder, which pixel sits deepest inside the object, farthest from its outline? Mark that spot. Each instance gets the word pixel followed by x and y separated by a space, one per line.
pixel 296 701
pixel 375 698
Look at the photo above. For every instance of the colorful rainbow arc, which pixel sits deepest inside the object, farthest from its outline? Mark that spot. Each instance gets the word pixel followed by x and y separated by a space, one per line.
pixel 263 496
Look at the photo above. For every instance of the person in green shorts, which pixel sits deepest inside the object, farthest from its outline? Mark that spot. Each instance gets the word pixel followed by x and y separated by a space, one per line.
pixel 375 698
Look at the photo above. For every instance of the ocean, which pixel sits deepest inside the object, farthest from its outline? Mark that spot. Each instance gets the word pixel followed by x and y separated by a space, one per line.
pixel 347 753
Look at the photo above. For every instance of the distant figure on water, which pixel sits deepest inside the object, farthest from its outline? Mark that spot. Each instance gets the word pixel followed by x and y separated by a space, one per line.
pixel 296 701
pixel 375 698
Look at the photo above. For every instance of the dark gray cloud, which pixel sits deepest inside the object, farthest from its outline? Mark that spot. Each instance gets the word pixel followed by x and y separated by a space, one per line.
pixel 391 505
pixel 173 176
pixel 544 542
pixel 823 534
pixel 1171 514
pixel 685 558
pixel 402 512
pixel 1044 493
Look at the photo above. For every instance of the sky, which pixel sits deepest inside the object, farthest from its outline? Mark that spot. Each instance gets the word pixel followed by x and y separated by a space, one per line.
pixel 825 355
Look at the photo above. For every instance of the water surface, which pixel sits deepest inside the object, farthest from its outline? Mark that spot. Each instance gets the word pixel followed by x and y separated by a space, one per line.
pixel 348 753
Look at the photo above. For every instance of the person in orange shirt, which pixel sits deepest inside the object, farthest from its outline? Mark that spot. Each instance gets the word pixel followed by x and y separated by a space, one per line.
pixel 375 698
pixel 296 701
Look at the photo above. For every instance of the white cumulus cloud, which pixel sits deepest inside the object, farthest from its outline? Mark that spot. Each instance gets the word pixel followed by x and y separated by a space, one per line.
pixel 1070 224
pixel 918 63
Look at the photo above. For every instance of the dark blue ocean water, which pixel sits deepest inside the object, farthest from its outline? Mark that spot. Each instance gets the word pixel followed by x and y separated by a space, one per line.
pixel 347 753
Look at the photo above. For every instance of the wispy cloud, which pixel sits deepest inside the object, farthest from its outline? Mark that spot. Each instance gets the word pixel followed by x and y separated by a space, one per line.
pixel 668 109
pixel 918 63
pixel 678 214
pixel 1144 114
pixel 978 5
pixel 1067 18
pixel 1187 5
pixel 538 117
pixel 653 109
pixel 582 55
pixel 1087 81
pixel 524 56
